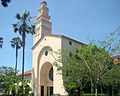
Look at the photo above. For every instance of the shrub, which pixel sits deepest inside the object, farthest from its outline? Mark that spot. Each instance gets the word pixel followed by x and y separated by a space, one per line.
pixel 93 95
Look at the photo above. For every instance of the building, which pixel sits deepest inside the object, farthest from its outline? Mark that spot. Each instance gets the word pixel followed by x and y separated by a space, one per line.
pixel 116 58
pixel 45 78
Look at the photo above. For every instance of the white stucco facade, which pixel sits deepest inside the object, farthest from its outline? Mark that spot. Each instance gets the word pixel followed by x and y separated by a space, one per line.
pixel 44 47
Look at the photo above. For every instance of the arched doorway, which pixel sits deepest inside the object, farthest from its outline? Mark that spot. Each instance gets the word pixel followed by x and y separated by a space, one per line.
pixel 46 79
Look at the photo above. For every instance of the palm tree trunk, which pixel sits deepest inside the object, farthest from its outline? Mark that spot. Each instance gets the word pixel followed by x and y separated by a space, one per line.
pixel 23 60
pixel 16 60
pixel 23 37
pixel 15 67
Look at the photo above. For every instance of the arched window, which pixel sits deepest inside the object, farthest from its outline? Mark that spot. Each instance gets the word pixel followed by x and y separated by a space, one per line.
pixel 51 74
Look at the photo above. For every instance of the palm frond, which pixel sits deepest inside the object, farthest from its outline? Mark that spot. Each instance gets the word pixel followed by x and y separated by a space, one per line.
pixel 16 41
pixel 18 16
pixel 1 42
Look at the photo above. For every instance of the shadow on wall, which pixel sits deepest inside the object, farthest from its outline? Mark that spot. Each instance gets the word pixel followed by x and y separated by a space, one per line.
pixel 33 79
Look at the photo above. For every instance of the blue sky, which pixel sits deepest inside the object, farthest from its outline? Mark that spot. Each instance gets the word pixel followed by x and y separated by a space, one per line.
pixel 78 19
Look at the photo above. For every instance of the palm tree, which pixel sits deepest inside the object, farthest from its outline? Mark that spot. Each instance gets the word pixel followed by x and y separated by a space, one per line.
pixel 1 42
pixel 23 26
pixel 5 2
pixel 16 43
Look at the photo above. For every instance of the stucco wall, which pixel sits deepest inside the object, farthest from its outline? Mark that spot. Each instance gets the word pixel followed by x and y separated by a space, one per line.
pixel 116 58
pixel 67 48
pixel 28 77
pixel 39 59
pixel 48 43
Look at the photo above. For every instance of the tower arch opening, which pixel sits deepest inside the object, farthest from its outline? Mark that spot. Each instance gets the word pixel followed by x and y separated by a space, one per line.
pixel 43 81
pixel 46 79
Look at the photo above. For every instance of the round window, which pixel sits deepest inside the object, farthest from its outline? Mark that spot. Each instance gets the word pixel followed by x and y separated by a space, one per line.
pixel 46 53
pixel 51 74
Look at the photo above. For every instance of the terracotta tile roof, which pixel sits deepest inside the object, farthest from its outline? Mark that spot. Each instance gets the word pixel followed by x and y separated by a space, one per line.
pixel 58 36
pixel 43 2
pixel 26 73
pixel 116 61
pixel 115 56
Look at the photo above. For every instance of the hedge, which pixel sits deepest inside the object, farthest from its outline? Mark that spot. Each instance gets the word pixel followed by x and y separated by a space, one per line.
pixel 93 95
pixel 18 95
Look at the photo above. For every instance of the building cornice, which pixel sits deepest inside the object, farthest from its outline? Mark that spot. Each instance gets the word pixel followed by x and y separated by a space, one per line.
pixel 57 36
pixel 48 17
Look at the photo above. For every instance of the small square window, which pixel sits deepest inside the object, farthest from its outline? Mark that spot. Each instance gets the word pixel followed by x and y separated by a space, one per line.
pixel 70 43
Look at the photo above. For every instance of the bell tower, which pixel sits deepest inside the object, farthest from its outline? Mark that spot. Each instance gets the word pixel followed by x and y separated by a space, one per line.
pixel 42 26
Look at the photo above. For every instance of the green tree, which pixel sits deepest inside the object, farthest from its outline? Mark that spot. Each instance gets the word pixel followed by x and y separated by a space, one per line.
pixel 24 27
pixel 16 43
pixel 112 80
pixel 1 42
pixel 5 73
pixel 95 59
pixel 73 72
pixel 17 87
pixel 90 63
pixel 5 2
pixel 11 83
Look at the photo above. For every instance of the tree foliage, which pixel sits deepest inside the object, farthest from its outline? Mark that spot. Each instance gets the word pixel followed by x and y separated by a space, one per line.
pixel 5 74
pixel 11 83
pixel 91 65
pixel 73 73
pixel 5 2
pixel 97 61
pixel 23 27
pixel 17 44
pixel 1 42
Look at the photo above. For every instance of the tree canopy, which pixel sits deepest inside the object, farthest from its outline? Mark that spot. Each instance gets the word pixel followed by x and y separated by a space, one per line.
pixel 89 67
pixel 11 83
pixel 1 42
pixel 17 44
pixel 5 2
pixel 23 27
pixel 5 74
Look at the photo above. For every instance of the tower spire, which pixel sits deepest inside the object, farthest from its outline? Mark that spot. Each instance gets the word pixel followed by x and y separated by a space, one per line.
pixel 42 26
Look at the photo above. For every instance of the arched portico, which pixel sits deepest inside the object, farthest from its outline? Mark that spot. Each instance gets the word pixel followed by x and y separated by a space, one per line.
pixel 46 79
pixel 44 67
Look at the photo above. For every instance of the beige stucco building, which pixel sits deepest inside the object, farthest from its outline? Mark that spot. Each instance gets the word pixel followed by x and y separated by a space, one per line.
pixel 45 78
